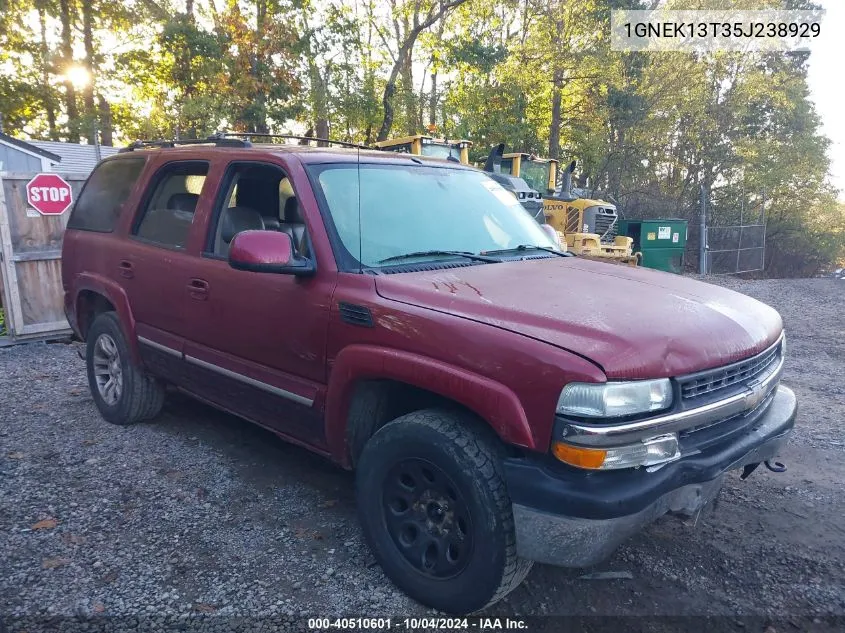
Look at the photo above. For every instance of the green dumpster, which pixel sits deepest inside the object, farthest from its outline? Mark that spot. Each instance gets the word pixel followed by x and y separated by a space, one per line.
pixel 662 242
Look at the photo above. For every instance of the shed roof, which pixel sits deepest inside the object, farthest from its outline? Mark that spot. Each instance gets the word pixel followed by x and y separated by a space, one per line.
pixel 30 147
pixel 74 157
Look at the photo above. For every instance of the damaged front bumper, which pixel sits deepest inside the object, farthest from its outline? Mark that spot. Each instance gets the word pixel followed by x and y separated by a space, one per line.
pixel 575 518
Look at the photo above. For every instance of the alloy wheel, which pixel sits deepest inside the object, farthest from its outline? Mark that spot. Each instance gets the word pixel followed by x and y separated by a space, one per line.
pixel 108 372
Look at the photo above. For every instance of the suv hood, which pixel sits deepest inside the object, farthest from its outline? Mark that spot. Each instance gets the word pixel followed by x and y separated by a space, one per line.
pixel 632 322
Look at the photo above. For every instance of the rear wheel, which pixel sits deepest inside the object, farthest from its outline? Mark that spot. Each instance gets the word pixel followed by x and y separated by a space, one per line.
pixel 123 393
pixel 435 511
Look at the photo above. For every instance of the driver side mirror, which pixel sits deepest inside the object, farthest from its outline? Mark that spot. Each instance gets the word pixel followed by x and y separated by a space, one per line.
pixel 267 252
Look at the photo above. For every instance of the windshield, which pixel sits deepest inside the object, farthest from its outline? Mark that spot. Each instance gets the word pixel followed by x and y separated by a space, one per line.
pixel 410 209
pixel 441 150
pixel 535 173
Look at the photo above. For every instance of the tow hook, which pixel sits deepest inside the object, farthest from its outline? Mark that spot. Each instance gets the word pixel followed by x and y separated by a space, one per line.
pixel 775 467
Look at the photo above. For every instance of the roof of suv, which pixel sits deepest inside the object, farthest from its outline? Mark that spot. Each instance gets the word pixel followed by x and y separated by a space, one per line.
pixel 305 153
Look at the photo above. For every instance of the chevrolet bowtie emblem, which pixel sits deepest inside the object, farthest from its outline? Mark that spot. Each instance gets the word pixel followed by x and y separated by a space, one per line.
pixel 756 394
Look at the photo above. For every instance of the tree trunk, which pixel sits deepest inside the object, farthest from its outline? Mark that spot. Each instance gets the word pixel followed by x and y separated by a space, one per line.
pixel 106 126
pixel 387 104
pixel 319 103
pixel 49 103
pixel 88 90
pixel 408 96
pixel 432 99
pixel 420 102
pixel 67 61
pixel 554 129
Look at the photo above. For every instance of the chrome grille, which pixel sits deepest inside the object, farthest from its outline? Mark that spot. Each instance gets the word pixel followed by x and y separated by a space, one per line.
pixel 712 380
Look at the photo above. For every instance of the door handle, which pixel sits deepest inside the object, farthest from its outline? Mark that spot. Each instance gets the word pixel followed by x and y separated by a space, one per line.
pixel 198 289
pixel 126 269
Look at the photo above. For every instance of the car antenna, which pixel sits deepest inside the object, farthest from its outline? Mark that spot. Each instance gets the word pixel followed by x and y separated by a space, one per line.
pixel 360 240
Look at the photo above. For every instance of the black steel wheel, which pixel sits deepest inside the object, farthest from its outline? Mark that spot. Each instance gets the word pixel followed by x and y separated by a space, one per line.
pixel 428 518
pixel 435 510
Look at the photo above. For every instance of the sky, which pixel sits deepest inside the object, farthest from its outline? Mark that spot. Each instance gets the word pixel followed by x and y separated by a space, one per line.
pixel 827 85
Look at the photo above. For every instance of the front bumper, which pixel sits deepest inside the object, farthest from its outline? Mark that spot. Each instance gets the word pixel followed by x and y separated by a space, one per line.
pixel 576 518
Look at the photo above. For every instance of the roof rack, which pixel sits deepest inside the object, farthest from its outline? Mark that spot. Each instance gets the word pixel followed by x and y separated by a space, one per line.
pixel 215 139
pixel 248 135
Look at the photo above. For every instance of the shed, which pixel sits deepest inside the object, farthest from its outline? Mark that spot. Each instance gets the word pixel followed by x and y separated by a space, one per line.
pixel 23 156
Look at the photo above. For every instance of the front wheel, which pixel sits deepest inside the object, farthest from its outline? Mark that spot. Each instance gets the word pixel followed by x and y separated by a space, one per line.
pixel 436 513
pixel 123 393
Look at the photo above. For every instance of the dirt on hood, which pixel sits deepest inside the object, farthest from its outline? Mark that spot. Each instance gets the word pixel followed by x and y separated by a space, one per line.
pixel 633 322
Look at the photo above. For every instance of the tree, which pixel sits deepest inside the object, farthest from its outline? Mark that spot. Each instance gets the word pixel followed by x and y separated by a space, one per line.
pixel 410 19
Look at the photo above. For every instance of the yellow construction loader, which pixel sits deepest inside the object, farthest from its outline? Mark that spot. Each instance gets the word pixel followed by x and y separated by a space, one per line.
pixel 422 145
pixel 588 227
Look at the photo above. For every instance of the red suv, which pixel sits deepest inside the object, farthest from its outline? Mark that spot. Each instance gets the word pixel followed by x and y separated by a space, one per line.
pixel 500 401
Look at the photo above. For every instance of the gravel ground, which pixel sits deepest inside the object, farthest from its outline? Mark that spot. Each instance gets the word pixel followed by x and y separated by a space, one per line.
pixel 201 514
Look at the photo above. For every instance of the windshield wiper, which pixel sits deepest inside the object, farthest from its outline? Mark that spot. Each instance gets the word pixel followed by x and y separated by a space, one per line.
pixel 530 247
pixel 467 254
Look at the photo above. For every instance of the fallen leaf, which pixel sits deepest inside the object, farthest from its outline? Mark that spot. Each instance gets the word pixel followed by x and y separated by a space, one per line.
pixel 174 475
pixel 89 442
pixel 110 577
pixel 73 539
pixel 45 524
pixel 202 607
pixel 98 608
pixel 318 536
pixel 330 503
pixel 52 563
pixel 74 392
pixel 16 455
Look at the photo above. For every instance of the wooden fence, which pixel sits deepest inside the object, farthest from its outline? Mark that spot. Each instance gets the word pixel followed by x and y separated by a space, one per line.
pixel 31 250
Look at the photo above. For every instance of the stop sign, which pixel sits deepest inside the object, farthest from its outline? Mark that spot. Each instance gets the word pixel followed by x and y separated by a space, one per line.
pixel 49 194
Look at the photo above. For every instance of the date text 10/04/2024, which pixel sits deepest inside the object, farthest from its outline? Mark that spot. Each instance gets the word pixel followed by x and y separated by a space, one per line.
pixel 414 624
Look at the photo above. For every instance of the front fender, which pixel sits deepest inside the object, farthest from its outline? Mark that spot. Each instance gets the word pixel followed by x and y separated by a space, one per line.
pixel 490 400
pixel 116 295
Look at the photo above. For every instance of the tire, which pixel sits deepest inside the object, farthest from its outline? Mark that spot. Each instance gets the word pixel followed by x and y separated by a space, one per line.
pixel 429 477
pixel 134 396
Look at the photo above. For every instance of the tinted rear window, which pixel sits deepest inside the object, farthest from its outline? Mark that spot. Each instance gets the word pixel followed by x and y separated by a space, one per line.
pixel 107 189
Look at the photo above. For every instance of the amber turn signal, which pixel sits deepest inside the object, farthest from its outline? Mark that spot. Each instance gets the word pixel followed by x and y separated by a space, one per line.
pixel 580 457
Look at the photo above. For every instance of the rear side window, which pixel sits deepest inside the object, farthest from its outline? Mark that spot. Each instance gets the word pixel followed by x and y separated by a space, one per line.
pixel 102 198
pixel 167 216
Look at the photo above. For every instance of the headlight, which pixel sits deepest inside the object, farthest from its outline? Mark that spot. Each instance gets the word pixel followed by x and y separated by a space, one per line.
pixel 614 399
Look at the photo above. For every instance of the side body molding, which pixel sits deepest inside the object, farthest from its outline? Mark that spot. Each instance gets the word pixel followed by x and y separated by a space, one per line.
pixel 492 401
